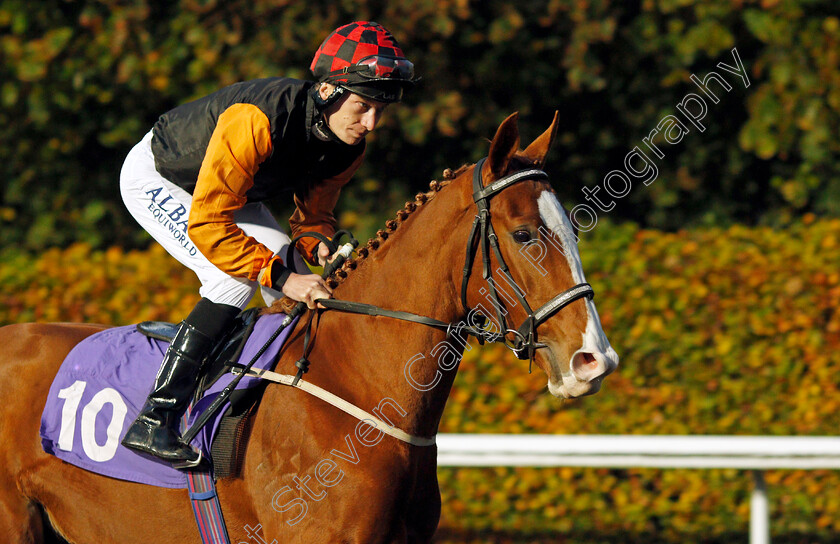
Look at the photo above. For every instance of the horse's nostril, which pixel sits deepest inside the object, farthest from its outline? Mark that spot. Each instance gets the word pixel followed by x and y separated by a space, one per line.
pixel 586 366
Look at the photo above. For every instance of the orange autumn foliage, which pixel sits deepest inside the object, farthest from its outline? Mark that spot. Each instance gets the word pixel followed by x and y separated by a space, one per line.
pixel 720 331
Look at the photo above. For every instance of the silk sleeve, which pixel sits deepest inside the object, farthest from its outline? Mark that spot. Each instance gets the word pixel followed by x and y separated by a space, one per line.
pixel 240 142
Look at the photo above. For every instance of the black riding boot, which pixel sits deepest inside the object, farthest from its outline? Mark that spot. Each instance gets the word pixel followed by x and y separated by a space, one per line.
pixel 155 431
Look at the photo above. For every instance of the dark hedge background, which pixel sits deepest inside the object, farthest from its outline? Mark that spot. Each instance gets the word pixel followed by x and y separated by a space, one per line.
pixel 83 81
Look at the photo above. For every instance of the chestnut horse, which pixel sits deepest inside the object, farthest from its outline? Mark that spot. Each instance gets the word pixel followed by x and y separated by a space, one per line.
pixel 313 473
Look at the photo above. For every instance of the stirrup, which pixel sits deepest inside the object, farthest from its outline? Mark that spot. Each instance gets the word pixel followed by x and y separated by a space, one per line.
pixel 184 465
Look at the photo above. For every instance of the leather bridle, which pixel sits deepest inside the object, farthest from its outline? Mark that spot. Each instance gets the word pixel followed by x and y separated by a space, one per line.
pixel 524 343
pixel 482 235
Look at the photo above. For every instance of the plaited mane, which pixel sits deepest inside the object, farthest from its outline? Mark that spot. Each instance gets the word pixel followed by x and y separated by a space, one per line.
pixel 391 225
pixel 286 304
pixel 338 277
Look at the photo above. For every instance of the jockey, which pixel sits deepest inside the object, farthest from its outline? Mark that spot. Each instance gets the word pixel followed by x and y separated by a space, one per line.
pixel 197 180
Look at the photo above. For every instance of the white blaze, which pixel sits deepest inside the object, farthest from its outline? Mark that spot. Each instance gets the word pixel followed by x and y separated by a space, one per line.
pixel 594 340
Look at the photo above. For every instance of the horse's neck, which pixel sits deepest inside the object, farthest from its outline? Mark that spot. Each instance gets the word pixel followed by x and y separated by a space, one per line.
pixel 376 360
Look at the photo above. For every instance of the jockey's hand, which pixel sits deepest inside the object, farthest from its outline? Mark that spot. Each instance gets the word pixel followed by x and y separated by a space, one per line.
pixel 323 254
pixel 306 288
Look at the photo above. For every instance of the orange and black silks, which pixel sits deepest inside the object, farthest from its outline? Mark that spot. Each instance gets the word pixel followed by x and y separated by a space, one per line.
pixel 249 142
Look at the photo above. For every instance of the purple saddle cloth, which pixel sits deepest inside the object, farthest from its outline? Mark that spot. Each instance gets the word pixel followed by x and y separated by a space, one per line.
pixel 103 383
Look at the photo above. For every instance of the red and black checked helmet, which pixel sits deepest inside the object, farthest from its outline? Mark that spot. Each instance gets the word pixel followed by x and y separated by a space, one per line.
pixel 364 58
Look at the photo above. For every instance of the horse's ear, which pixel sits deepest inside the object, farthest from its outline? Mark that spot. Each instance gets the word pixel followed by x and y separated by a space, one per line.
pixel 538 149
pixel 504 146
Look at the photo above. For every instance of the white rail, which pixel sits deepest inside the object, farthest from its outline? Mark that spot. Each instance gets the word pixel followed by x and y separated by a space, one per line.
pixel 756 453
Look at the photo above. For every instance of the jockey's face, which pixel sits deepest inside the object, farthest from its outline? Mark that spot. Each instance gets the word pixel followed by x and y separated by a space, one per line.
pixel 353 116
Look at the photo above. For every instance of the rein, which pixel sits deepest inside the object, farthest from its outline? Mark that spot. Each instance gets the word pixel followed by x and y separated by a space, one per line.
pixel 482 238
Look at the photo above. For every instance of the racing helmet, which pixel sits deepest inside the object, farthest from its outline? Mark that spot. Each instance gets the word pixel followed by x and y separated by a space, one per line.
pixel 364 58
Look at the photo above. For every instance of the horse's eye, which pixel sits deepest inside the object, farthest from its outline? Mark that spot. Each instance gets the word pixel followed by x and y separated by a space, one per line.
pixel 521 236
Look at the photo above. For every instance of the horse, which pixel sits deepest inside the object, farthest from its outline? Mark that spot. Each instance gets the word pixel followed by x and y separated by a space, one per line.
pixel 313 473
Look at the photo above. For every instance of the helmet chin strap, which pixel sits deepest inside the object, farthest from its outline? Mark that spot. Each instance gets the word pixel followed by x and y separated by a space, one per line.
pixel 320 128
pixel 322 131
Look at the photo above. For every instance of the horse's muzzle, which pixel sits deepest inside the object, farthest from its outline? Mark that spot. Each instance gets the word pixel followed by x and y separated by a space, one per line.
pixel 587 370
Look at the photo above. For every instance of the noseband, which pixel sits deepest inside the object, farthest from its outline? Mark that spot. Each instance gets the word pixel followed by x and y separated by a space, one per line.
pixel 524 343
